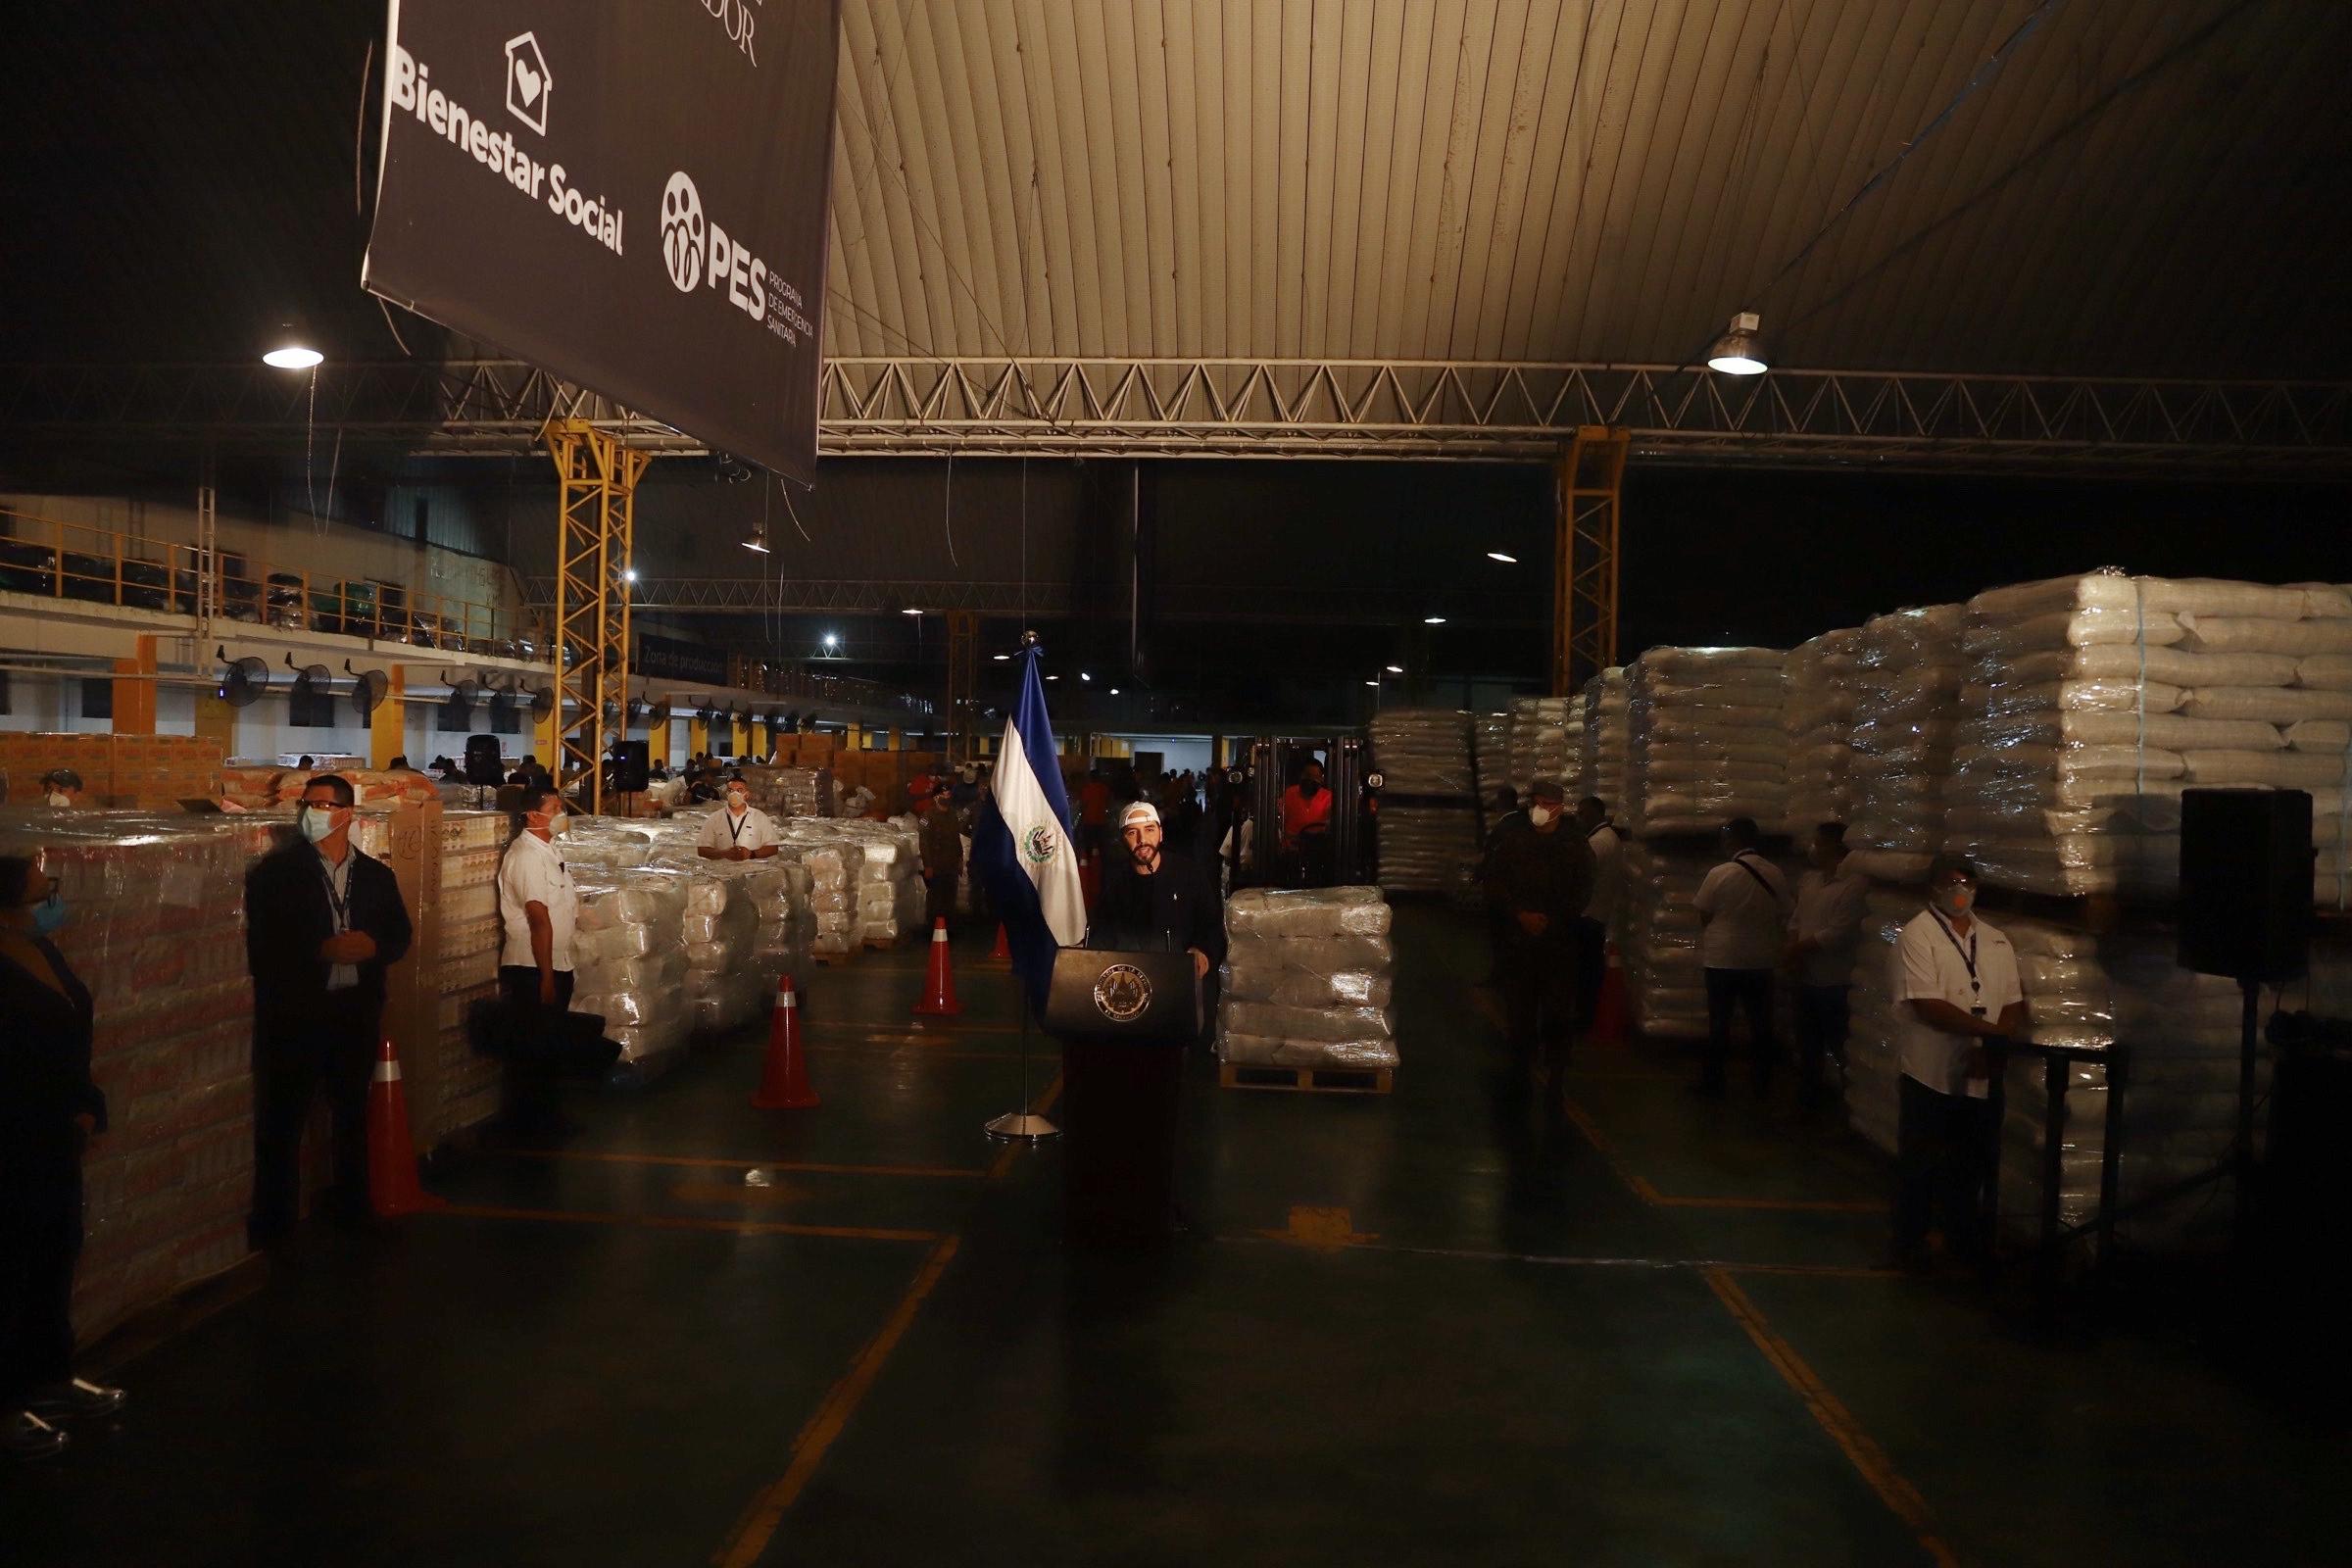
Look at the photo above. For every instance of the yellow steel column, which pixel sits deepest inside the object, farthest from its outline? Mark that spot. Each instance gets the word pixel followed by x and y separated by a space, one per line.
pixel 1586 482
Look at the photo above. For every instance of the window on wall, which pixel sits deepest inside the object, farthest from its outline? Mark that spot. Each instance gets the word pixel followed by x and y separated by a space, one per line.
pixel 506 716
pixel 310 709
pixel 452 719
pixel 98 699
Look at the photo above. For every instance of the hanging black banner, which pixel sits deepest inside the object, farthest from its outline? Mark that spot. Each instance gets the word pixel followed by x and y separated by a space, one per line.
pixel 631 196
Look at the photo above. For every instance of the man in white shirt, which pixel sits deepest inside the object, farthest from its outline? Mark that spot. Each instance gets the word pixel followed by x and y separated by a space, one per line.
pixel 1744 911
pixel 737 830
pixel 1956 990
pixel 539 908
pixel 1831 901
pixel 1607 844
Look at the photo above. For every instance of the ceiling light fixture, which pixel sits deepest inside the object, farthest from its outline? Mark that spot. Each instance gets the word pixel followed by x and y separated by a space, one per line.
pixel 1083 676
pixel 1740 350
pixel 1504 557
pixel 1433 620
pixel 756 539
pixel 1114 691
pixel 1396 669
pixel 832 639
pixel 292 357
pixel 910 611
pixel 628 575
pixel 1371 683
pixel 1001 658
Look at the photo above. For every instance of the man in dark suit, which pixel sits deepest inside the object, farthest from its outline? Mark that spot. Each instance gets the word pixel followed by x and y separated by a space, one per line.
pixel 323 922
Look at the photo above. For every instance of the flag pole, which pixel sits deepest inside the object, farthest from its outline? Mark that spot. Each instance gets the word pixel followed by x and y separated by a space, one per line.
pixel 1020 1123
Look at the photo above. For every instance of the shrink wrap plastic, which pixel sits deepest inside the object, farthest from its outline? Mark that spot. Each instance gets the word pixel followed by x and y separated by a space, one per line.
pixel 2092 701
pixel 1817 718
pixel 1308 979
pixel 628 964
pixel 1664 981
pixel 1607 741
pixel 783 792
pixel 155 930
pixel 1548 742
pixel 1428 819
pixel 1909 679
pixel 1704 726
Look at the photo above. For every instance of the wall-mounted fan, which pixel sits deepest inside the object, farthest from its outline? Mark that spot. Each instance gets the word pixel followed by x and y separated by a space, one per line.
pixel 311 680
pixel 542 701
pixel 660 712
pixel 243 681
pixel 367 689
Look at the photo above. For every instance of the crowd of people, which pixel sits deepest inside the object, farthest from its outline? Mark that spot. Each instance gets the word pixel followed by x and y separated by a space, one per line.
pixel 1555 887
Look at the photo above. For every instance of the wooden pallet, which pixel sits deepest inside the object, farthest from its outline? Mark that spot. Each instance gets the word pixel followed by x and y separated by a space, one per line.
pixel 1312 1080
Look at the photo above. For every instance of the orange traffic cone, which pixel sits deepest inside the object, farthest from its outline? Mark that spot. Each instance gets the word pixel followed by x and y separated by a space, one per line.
pixel 392 1187
pixel 1001 953
pixel 784 1079
pixel 1608 1009
pixel 939 989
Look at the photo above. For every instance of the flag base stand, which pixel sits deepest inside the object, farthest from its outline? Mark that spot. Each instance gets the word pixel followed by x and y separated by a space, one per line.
pixel 1022 1126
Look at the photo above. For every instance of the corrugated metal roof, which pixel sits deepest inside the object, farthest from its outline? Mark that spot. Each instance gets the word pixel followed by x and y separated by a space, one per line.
pixel 2142 187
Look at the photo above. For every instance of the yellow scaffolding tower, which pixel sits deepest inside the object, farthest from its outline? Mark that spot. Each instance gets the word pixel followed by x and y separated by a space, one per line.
pixel 1586 482
pixel 593 544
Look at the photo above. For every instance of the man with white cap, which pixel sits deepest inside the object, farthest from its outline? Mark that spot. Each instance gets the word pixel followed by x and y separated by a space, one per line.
pixel 1156 902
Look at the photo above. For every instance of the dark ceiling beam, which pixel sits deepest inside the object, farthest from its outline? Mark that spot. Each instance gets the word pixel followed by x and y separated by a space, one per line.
pixel 1241 603
pixel 1485 411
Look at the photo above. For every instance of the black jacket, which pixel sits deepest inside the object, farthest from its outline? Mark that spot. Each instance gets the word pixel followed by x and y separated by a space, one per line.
pixel 44 1067
pixel 1168 911
pixel 1541 873
pixel 287 919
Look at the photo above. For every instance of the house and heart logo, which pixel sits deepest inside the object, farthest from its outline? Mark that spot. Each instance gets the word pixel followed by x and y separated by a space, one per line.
pixel 528 83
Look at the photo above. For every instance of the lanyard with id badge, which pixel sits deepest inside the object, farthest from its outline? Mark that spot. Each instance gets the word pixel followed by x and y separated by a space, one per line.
pixel 1968 955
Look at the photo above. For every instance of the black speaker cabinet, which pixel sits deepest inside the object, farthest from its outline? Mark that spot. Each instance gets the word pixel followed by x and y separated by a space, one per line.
pixel 630 759
pixel 2245 882
pixel 481 760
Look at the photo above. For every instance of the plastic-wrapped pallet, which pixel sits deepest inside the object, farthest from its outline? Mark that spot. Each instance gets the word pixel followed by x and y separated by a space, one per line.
pixel 1906 716
pixel 1873 1072
pixel 467 968
pixel 1423 750
pixel 1307 980
pixel 835 865
pixel 783 792
pixel 1663 978
pixel 2093 702
pixel 1491 740
pixel 889 890
pixel 630 966
pixel 1428 812
pixel 157 934
pixel 1706 744
pixel 1546 744
pixel 721 928
pixel 1607 741
pixel 1818 717
pixel 780 900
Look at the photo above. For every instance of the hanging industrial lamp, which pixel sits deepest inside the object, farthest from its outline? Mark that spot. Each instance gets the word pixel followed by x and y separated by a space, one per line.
pixel 1740 350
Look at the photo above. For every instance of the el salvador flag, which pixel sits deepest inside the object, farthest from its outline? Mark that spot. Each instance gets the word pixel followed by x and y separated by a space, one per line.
pixel 1023 844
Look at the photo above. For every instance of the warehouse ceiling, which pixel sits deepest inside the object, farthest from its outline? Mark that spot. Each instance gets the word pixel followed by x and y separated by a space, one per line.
pixel 2126 187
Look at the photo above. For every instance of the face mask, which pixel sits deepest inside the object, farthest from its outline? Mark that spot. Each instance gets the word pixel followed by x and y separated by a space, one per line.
pixel 1541 816
pixel 318 823
pixel 558 822
pixel 738 804
pixel 50 912
pixel 1956 900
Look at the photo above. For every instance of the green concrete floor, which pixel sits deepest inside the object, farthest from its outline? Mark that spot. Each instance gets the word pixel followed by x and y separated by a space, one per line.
pixel 1419 1328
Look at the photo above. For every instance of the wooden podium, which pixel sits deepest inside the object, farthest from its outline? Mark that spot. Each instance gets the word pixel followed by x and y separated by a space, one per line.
pixel 1125 1020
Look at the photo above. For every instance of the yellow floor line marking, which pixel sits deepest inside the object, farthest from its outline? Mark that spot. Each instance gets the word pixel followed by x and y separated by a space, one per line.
pixel 1866 1457
pixel 734 1192
pixel 746 1163
pixel 686 1222
pixel 1373 1243
pixel 1640 1188
pixel 758 1524
pixel 1321 1229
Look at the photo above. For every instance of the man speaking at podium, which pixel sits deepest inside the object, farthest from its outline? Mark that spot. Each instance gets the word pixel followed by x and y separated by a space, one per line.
pixel 1156 902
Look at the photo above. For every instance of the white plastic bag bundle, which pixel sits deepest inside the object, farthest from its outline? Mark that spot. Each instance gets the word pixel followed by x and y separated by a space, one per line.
pixel 1706 738
pixel 1308 979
